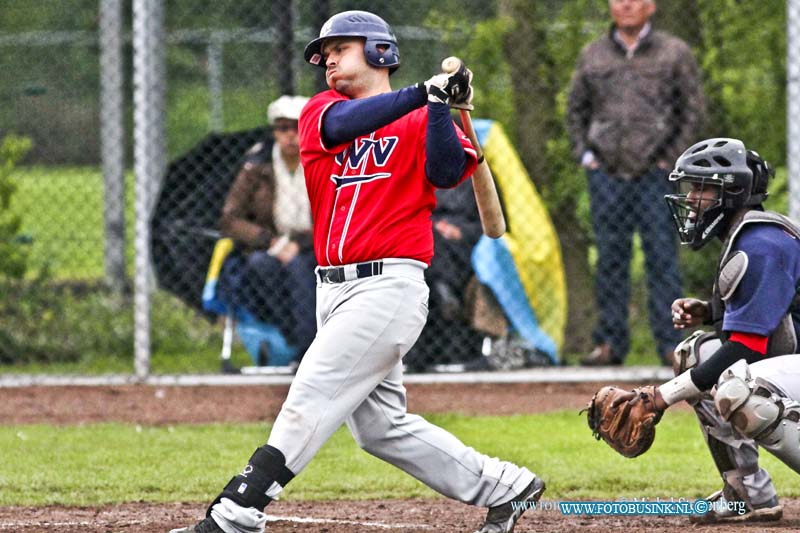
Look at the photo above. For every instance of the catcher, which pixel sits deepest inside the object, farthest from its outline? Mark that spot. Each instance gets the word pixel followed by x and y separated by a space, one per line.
pixel 739 380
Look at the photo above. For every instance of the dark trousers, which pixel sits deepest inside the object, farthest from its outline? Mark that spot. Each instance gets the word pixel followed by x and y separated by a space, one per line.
pixel 278 294
pixel 620 208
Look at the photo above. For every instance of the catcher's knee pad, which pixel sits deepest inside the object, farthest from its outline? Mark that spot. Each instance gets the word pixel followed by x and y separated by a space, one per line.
pixel 260 482
pixel 691 350
pixel 756 412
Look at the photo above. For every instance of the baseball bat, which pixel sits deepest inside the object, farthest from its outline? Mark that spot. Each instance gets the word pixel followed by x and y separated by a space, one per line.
pixel 490 211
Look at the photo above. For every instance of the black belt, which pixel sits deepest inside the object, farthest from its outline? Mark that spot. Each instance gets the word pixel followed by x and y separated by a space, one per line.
pixel 363 270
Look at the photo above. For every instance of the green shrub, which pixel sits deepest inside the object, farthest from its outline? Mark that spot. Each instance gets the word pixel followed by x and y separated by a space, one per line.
pixel 13 252
pixel 91 327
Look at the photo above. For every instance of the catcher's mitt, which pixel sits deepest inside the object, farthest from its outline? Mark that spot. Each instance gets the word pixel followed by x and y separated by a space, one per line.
pixel 626 424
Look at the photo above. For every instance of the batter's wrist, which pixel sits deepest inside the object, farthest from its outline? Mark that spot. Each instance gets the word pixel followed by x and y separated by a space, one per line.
pixel 422 91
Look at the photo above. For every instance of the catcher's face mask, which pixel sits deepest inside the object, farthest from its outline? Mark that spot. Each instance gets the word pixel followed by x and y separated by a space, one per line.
pixel 697 208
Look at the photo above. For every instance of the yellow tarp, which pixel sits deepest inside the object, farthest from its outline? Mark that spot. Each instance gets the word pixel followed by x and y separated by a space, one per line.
pixel 531 237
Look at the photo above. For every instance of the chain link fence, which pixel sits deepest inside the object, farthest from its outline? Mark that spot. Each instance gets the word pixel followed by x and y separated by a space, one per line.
pixel 126 124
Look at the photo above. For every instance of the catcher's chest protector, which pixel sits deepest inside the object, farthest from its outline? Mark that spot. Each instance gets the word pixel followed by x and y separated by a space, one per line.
pixel 783 340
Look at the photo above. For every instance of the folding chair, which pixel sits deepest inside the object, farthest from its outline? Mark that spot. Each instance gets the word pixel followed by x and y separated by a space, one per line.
pixel 266 345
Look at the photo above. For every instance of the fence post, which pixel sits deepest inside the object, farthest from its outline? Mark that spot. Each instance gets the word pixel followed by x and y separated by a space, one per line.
pixel 149 158
pixel 112 141
pixel 793 105
pixel 284 33
pixel 215 84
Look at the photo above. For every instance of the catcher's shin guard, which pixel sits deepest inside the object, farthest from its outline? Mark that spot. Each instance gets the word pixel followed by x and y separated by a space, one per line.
pixel 760 414
pixel 260 482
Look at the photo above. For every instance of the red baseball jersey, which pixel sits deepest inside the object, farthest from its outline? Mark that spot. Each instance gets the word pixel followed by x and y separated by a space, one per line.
pixel 370 198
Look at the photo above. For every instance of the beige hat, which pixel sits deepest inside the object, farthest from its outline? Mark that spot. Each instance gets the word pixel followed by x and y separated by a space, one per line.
pixel 285 107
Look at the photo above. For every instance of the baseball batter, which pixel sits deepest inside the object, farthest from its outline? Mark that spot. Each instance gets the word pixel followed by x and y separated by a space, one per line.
pixel 372 158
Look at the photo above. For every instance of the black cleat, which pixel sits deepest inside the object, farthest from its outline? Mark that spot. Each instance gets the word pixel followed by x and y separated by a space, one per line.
pixel 722 513
pixel 207 525
pixel 503 518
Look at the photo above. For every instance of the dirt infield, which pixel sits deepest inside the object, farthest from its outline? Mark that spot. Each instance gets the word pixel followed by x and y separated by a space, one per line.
pixel 172 405
pixel 403 516
pixel 195 405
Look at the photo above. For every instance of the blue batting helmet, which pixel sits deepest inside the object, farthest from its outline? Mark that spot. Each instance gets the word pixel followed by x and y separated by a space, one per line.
pixel 375 30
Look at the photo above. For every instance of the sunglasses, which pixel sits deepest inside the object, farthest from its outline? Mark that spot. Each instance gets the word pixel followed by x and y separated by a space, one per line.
pixel 286 126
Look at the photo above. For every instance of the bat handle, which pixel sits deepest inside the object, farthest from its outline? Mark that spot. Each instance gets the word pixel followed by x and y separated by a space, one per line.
pixel 490 211
pixel 466 121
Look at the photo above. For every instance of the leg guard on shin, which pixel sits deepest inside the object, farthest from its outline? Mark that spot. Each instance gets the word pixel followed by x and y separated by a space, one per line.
pixel 254 485
pixel 735 456
pixel 758 413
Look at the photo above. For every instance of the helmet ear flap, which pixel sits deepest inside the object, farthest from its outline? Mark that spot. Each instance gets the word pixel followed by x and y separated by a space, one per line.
pixel 762 172
pixel 382 53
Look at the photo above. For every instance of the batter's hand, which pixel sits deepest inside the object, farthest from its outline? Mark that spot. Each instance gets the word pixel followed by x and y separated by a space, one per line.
pixel 464 100
pixel 450 88
pixel 689 312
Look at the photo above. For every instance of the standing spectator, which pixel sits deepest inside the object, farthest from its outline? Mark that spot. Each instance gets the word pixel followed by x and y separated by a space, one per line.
pixel 635 100
pixel 268 215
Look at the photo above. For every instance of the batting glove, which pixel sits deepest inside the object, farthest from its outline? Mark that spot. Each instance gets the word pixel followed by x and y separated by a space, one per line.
pixel 450 88
pixel 464 100
pixel 437 89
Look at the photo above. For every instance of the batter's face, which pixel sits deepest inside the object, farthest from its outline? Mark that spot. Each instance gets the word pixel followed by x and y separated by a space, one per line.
pixel 285 133
pixel 347 69
pixel 631 15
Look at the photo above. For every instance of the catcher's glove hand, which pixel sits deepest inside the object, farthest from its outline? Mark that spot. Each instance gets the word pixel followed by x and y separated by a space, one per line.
pixel 626 420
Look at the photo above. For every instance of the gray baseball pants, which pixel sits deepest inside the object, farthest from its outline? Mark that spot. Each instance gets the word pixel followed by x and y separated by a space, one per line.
pixel 352 374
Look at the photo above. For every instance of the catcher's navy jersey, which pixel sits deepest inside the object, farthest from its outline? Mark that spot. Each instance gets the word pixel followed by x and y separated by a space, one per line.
pixel 770 283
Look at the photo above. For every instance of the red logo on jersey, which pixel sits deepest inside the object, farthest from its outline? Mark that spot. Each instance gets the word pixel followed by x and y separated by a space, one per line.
pixel 357 157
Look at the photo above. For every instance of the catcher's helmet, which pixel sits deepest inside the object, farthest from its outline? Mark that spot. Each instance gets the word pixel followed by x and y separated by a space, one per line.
pixel 358 24
pixel 720 168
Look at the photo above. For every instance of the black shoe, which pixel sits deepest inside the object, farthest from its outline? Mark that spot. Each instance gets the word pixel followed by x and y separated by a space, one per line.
pixel 206 525
pixel 263 354
pixel 503 518
pixel 720 512
pixel 228 368
pixel 602 355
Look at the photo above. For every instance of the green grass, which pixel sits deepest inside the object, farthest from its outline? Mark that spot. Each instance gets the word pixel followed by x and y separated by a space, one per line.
pixel 62 210
pixel 110 463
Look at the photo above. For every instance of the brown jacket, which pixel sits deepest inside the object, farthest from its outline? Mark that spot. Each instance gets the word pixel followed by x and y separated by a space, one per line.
pixel 247 212
pixel 633 112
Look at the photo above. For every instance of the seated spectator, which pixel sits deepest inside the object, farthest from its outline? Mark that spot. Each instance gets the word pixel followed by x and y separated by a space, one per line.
pixel 447 337
pixel 267 214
